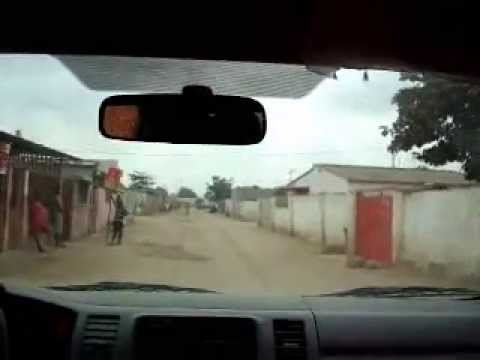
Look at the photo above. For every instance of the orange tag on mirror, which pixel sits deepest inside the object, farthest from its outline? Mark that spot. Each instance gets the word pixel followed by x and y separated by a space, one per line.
pixel 122 121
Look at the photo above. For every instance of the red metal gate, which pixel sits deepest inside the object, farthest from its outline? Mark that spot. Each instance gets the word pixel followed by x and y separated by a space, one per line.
pixel 374 228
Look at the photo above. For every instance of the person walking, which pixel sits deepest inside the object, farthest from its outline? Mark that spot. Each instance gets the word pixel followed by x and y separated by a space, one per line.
pixel 118 221
pixel 56 217
pixel 39 223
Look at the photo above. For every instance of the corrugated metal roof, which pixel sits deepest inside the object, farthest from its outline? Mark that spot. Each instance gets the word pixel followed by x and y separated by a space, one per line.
pixel 395 175
pixel 21 145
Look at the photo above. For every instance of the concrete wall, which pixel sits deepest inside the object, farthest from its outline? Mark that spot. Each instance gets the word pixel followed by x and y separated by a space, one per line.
pixel 134 202
pixel 442 228
pixel 281 219
pixel 81 213
pixel 398 223
pixel 19 209
pixel 78 172
pixel 80 221
pixel 248 210
pixel 337 215
pixel 102 209
pixel 265 213
pixel 242 194
pixel 228 207
pixel 307 217
pixel 273 217
pixel 323 218
pixel 140 203
pixel 153 204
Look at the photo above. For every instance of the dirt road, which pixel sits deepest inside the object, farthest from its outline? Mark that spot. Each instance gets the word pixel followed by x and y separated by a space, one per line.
pixel 201 250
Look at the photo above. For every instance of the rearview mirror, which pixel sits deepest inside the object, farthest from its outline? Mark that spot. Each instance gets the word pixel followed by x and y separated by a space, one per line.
pixel 194 117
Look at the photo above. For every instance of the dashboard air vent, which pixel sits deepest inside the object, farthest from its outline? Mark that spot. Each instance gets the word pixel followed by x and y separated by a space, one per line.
pixel 99 336
pixel 290 343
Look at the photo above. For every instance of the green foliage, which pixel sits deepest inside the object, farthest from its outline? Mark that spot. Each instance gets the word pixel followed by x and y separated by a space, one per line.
pixel 200 203
pixel 141 181
pixel 439 119
pixel 99 178
pixel 219 189
pixel 185 192
pixel 161 192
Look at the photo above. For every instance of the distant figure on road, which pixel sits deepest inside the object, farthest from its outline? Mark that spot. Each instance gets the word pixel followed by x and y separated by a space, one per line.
pixel 118 221
pixel 39 223
pixel 56 217
pixel 186 205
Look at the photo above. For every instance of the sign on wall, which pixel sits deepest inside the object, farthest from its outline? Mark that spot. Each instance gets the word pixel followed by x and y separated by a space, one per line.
pixel 4 157
pixel 112 178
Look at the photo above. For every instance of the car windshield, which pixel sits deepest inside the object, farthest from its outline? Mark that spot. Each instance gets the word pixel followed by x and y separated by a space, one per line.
pixel 365 178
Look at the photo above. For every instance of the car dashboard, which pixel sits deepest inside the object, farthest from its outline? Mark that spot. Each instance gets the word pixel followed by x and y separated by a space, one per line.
pixel 81 325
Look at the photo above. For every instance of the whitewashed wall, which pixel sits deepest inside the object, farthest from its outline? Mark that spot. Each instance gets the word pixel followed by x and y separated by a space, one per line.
pixel 321 181
pixel 228 207
pixel 398 222
pixel 248 210
pixel 273 217
pixel 134 202
pixel 307 217
pixel 323 218
pixel 265 216
pixel 281 219
pixel 443 228
pixel 337 216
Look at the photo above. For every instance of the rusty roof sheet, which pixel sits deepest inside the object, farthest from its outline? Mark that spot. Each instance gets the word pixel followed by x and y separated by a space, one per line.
pixel 395 175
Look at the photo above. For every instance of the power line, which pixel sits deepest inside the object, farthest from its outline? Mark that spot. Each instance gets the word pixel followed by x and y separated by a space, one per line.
pixel 312 153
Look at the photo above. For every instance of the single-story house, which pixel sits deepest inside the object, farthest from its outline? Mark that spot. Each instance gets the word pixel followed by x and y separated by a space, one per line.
pixel 244 202
pixel 35 169
pixel 331 178
pixel 335 205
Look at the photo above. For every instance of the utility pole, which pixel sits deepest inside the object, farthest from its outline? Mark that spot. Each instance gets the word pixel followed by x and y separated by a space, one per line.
pixel 290 175
pixel 388 132
pixel 394 158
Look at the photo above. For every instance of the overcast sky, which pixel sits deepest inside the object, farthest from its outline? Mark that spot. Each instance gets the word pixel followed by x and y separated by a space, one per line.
pixel 338 122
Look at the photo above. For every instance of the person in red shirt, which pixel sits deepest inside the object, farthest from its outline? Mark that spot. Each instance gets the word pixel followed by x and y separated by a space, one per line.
pixel 39 223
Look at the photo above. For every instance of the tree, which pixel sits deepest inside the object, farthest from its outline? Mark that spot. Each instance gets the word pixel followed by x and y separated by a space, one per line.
pixel 99 178
pixel 200 203
pixel 219 189
pixel 440 120
pixel 185 192
pixel 161 192
pixel 141 181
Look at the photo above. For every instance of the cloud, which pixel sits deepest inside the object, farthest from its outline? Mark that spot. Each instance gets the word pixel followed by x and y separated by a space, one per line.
pixel 336 123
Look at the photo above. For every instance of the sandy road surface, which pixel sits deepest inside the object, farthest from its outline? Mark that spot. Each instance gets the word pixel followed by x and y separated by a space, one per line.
pixel 201 250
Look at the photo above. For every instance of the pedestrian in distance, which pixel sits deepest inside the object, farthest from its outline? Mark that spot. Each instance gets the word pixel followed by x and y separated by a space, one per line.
pixel 56 217
pixel 118 221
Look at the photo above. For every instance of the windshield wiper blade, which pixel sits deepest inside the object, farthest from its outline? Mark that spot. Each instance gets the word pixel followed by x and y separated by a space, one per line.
pixel 130 286
pixel 407 292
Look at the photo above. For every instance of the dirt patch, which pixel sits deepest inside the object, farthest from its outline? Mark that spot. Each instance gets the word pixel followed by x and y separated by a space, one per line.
pixel 207 251
pixel 171 252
